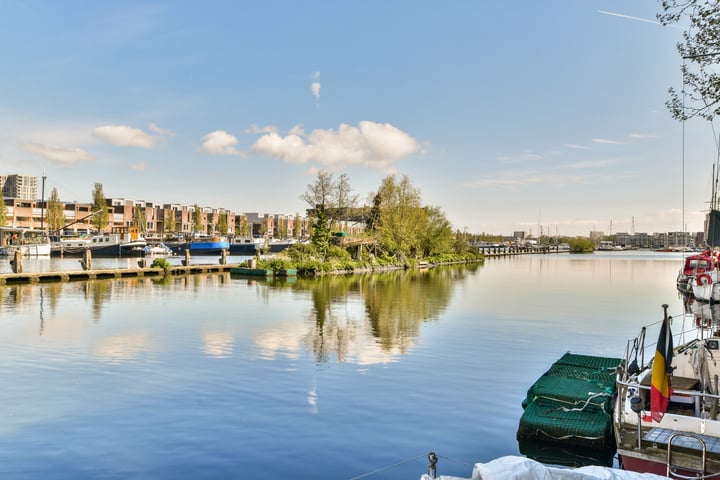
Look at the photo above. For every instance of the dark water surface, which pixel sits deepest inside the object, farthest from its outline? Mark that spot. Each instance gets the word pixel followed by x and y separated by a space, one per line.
pixel 214 376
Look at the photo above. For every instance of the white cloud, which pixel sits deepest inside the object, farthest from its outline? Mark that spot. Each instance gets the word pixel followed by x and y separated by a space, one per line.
pixel 577 147
pixel 266 129
pixel 590 164
pixel 375 145
pixel 160 131
pixel 315 87
pixel 513 180
pixel 124 136
pixel 220 142
pixel 57 154
pixel 642 136
pixel 527 156
pixel 606 141
pixel 139 167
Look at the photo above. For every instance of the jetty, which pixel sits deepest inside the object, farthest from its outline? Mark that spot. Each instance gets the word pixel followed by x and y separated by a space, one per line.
pixel 93 274
pixel 511 250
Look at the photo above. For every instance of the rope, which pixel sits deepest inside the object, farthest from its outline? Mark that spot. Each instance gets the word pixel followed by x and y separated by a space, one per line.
pixel 432 457
pixel 388 467
pixel 457 461
pixel 587 402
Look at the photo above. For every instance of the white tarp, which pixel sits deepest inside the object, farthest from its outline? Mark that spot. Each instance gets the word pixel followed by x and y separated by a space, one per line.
pixel 522 468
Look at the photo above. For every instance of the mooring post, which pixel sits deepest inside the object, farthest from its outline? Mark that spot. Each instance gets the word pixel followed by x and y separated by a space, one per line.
pixel 223 256
pixel 16 262
pixel 86 261
pixel 186 262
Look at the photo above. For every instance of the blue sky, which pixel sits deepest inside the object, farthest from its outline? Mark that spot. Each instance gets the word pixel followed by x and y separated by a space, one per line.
pixel 509 115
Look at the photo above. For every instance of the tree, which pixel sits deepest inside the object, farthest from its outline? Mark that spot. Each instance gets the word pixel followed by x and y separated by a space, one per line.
pixel 170 220
pixel 3 211
pixel 101 219
pixel 438 233
pixel 297 226
pixel 320 236
pixel 401 218
pixel 223 223
pixel 344 199
pixel 55 212
pixel 700 51
pixel 282 230
pixel 197 219
pixel 335 197
pixel 243 228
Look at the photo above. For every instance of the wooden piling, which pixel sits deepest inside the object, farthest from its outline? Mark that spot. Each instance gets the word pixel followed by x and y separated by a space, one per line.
pixel 16 262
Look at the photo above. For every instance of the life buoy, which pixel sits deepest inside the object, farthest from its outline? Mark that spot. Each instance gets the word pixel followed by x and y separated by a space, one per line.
pixel 704 279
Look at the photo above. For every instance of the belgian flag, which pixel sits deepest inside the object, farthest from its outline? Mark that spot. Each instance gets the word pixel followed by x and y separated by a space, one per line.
pixel 660 389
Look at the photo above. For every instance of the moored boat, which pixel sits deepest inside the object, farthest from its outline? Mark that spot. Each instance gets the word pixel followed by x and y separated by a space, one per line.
pixel 119 242
pixel 157 250
pixel 246 246
pixel 694 265
pixel 30 242
pixel 521 468
pixel 665 418
pixel 202 245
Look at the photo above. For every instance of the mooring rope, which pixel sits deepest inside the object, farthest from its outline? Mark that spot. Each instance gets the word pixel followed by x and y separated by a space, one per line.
pixel 432 457
pixel 389 467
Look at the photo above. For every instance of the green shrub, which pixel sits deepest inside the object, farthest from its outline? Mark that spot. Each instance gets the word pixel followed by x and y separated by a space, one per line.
pixel 160 263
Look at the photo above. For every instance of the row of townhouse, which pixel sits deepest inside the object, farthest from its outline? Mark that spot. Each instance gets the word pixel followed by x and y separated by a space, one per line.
pixel 659 240
pixel 154 219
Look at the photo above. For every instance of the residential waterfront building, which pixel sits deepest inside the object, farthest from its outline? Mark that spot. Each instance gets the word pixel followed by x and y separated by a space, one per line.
pixel 23 187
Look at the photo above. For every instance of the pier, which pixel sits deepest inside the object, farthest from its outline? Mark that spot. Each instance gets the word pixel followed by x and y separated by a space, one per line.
pixel 509 250
pixel 93 274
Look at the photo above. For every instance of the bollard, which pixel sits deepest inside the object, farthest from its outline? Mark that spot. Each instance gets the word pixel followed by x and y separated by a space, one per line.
pixel 251 263
pixel 86 261
pixel 186 262
pixel 142 263
pixel 223 256
pixel 16 262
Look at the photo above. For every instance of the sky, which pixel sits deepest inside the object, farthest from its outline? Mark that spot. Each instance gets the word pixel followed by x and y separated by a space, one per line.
pixel 543 117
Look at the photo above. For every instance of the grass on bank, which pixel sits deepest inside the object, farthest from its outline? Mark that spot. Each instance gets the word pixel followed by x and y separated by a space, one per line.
pixel 307 260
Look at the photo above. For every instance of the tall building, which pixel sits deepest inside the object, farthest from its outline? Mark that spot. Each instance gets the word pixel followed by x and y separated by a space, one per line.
pixel 24 187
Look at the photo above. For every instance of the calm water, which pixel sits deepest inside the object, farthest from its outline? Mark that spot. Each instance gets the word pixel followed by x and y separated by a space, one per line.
pixel 212 376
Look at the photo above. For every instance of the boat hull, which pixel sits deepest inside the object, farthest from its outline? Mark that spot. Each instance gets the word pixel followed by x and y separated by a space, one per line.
pixel 36 250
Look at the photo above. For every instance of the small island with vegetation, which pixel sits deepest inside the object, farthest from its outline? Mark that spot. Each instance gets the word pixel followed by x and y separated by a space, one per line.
pixel 398 231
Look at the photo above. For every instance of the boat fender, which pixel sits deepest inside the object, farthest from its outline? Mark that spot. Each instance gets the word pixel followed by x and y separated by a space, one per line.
pixel 704 279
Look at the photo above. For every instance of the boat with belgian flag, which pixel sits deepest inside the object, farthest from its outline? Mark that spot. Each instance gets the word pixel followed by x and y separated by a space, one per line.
pixel 665 418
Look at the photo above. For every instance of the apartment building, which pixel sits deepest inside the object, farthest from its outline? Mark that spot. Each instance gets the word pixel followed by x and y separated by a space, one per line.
pixel 26 210
pixel 24 187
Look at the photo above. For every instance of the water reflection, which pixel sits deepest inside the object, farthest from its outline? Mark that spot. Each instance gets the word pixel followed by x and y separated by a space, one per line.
pixel 363 319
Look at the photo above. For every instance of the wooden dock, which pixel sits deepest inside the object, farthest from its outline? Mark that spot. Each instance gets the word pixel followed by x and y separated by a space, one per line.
pixel 100 273
pixel 506 251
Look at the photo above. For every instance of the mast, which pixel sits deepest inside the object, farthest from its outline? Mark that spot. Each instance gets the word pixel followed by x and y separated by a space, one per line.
pixel 42 204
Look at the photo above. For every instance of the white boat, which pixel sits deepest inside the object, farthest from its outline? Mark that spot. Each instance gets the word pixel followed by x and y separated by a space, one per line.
pixel 119 242
pixel 666 412
pixel 157 250
pixel 32 243
pixel 514 467
pixel 705 287
pixel 69 245
pixel 605 246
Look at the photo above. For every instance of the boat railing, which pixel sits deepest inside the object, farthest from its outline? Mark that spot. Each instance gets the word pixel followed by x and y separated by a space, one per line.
pixel 698 397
